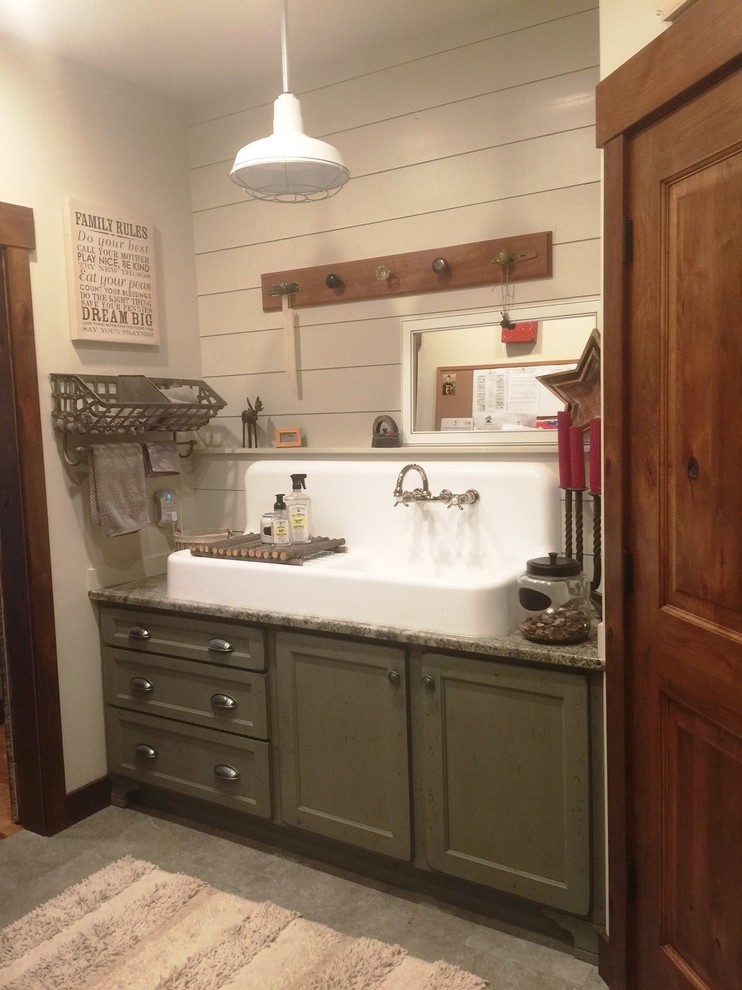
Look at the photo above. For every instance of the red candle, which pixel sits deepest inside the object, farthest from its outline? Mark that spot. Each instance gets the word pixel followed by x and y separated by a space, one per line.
pixel 565 475
pixel 596 458
pixel 576 458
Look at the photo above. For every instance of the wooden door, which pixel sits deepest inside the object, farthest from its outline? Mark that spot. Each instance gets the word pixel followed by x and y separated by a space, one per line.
pixel 685 466
pixel 34 723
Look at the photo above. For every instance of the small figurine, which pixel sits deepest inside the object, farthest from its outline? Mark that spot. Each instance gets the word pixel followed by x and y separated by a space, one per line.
pixel 250 420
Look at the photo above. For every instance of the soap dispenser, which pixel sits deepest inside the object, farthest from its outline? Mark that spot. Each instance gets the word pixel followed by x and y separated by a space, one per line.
pixel 281 530
pixel 299 508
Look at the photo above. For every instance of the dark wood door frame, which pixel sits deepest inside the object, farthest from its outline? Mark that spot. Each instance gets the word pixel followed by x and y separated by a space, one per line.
pixel 699 49
pixel 25 561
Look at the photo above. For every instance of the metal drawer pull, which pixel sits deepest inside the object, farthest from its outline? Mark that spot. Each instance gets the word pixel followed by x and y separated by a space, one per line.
pixel 223 701
pixel 393 677
pixel 225 772
pixel 148 752
pixel 138 632
pixel 142 685
pixel 220 645
pixel 428 683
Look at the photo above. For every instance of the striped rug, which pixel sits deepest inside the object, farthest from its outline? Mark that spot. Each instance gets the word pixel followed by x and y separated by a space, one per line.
pixel 132 925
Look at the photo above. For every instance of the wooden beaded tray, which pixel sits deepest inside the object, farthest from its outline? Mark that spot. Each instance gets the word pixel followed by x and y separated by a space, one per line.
pixel 249 546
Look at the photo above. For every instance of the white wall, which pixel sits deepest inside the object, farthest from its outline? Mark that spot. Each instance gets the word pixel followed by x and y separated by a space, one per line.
pixel 483 131
pixel 70 131
pixel 626 26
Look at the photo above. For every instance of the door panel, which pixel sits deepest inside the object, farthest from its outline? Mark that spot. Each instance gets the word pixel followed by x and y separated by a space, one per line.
pixel 685 618
pixel 703 811
pixel 704 381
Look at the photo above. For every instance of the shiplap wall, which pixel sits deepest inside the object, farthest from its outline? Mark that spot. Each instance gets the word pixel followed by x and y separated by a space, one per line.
pixel 475 133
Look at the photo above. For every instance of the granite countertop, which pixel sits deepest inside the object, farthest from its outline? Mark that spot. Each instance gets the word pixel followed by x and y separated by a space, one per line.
pixel 152 593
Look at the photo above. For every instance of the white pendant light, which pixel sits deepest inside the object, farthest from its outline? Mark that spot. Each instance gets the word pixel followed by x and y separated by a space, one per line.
pixel 289 166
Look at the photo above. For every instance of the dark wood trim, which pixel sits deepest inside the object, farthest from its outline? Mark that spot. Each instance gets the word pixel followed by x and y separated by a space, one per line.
pixel 605 959
pixel 17 227
pixel 703 45
pixel 85 801
pixel 25 564
pixel 613 952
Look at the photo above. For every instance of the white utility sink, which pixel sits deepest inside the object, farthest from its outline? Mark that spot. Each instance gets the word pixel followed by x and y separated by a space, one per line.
pixel 423 567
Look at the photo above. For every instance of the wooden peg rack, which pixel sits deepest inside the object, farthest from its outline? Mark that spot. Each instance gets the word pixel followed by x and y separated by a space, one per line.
pixel 466 265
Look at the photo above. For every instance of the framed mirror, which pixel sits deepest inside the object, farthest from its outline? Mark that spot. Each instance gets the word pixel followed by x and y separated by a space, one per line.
pixel 462 385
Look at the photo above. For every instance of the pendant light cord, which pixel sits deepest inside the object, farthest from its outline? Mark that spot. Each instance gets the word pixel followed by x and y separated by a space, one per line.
pixel 284 45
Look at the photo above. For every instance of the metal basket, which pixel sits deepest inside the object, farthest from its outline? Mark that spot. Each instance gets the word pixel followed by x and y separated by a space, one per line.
pixel 179 415
pixel 118 404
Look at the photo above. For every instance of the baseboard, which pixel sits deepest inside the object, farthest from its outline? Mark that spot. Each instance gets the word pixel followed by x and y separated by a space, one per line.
pixel 87 800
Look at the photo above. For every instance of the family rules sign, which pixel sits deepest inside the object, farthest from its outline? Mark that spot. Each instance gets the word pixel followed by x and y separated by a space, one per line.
pixel 111 266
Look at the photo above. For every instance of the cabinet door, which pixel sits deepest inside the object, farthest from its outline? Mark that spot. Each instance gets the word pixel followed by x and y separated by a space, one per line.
pixel 343 741
pixel 506 773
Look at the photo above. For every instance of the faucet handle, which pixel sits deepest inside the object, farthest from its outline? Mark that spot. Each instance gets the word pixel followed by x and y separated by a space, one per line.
pixel 469 497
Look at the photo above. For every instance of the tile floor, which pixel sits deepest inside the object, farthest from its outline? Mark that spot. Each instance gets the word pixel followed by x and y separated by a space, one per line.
pixel 34 868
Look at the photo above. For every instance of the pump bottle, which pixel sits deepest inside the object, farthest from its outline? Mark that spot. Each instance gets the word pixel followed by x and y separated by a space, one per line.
pixel 299 507
pixel 281 530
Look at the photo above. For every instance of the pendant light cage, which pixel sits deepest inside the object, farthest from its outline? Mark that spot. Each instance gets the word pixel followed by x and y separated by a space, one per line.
pixel 289 166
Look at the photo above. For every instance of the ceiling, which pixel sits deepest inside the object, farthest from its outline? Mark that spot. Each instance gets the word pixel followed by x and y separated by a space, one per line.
pixel 190 50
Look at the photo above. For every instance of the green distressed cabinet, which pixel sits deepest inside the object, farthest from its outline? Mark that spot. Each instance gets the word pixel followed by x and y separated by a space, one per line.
pixel 476 775
pixel 186 708
pixel 506 778
pixel 344 741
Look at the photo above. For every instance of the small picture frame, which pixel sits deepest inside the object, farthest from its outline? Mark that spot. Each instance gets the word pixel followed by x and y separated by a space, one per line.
pixel 287 436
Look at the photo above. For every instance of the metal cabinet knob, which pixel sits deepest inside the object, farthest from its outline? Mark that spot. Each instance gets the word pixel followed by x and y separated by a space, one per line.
pixel 218 645
pixel 428 683
pixel 139 632
pixel 393 677
pixel 145 751
pixel 223 701
pixel 141 685
pixel 224 772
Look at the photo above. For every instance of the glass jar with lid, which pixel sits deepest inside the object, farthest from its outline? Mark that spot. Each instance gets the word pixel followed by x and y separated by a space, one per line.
pixel 554 594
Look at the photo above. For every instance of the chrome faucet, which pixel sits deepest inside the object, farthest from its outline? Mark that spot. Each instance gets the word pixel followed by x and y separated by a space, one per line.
pixel 419 494
pixel 423 494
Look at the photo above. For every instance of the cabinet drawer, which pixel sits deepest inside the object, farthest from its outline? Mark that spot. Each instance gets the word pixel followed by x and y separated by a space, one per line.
pixel 230 644
pixel 203 763
pixel 218 697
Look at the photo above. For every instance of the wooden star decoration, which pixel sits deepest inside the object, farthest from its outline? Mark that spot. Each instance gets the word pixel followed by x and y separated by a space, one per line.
pixel 579 388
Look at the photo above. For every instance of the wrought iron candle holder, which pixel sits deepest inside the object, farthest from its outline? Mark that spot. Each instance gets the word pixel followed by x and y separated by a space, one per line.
pixel 574 538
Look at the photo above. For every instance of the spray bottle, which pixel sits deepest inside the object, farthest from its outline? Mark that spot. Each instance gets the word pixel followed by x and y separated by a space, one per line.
pixel 299 507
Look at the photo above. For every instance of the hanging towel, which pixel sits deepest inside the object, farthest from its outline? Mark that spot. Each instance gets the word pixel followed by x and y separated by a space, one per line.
pixel 161 457
pixel 118 494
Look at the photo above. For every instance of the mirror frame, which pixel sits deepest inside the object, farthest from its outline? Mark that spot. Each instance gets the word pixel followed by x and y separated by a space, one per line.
pixel 508 441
